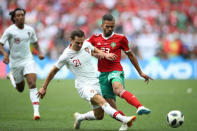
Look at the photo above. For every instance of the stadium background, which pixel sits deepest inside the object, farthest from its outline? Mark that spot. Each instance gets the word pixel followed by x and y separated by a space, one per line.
pixel 162 33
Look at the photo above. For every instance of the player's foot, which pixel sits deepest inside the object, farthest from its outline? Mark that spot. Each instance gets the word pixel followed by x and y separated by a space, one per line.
pixel 130 120
pixel 143 110
pixel 123 127
pixel 77 121
pixel 36 117
pixel 11 78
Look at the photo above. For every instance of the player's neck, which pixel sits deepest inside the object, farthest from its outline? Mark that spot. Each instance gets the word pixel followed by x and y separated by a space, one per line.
pixel 107 37
pixel 73 48
pixel 20 26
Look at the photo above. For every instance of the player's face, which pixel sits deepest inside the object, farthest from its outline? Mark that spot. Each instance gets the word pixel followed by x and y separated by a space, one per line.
pixel 108 27
pixel 77 43
pixel 19 17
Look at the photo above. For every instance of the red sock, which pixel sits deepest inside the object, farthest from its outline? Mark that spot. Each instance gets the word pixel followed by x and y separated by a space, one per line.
pixel 121 112
pixel 130 98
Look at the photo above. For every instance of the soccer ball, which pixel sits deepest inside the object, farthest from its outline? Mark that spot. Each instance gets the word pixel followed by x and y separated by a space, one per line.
pixel 175 118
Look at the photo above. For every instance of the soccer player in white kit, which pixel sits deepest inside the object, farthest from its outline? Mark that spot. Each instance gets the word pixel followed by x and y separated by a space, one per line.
pixel 19 36
pixel 77 58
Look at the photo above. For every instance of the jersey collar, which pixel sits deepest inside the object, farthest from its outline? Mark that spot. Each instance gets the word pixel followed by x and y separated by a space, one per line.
pixel 107 37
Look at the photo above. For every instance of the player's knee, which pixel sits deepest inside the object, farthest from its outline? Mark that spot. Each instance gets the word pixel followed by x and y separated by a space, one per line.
pixel 32 85
pixel 20 89
pixel 117 88
pixel 117 91
pixel 99 116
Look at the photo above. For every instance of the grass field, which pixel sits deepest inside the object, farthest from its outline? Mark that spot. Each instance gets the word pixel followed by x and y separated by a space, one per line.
pixel 62 101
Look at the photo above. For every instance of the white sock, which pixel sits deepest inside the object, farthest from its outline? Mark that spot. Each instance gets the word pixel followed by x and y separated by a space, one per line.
pixel 113 113
pixel 12 80
pixel 35 100
pixel 87 116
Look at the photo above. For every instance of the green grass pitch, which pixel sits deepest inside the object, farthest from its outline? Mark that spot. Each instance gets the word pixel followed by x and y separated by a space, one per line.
pixel 62 100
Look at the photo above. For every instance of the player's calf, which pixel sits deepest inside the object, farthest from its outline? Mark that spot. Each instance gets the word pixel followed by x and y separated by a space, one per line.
pixel 99 116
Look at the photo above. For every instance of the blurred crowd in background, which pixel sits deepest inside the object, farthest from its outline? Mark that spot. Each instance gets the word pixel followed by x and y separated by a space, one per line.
pixel 154 28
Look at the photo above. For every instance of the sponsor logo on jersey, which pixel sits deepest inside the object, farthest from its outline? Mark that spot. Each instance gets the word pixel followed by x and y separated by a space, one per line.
pixel 113 44
pixel 99 43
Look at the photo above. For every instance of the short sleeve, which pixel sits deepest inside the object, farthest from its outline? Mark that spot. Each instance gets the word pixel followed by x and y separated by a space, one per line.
pixel 91 40
pixel 125 44
pixel 33 36
pixel 62 60
pixel 88 45
pixel 4 37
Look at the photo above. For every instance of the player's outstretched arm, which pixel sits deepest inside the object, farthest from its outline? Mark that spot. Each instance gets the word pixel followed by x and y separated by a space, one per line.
pixel 135 63
pixel 99 54
pixel 5 55
pixel 42 91
pixel 40 55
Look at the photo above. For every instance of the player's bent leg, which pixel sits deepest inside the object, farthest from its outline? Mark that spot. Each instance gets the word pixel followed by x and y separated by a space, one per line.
pixel 98 113
pixel 112 102
pixel 31 80
pixel 129 97
pixel 20 86
pixel 111 111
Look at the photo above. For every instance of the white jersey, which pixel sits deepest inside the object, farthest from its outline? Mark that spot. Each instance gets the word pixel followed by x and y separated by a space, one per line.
pixel 80 63
pixel 19 42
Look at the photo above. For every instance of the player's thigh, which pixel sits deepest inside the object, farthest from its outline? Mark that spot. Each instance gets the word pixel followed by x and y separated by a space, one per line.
pixel 117 79
pixel 106 86
pixel 30 74
pixel 29 68
pixel 87 92
pixel 17 73
pixel 98 113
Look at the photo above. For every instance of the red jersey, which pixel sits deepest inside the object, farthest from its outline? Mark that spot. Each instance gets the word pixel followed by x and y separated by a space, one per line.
pixel 112 44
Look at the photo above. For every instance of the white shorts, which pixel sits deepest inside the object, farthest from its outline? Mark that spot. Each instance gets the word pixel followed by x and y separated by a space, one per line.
pixel 20 71
pixel 87 91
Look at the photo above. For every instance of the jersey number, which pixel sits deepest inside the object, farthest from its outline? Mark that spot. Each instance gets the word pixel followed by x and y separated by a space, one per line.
pixel 77 62
pixel 106 50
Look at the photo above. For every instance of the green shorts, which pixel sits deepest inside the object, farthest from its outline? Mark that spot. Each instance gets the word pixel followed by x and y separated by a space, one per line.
pixel 106 79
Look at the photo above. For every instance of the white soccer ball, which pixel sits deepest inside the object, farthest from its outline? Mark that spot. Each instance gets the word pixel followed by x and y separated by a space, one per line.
pixel 175 118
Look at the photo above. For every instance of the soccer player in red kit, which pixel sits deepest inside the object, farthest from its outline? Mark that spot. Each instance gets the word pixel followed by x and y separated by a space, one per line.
pixel 111 72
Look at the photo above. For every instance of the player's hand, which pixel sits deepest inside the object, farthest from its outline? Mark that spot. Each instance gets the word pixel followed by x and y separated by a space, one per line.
pixel 146 77
pixel 41 93
pixel 41 57
pixel 110 56
pixel 6 59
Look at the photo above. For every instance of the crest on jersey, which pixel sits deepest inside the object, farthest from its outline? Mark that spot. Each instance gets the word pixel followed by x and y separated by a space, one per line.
pixel 113 44
pixel 17 40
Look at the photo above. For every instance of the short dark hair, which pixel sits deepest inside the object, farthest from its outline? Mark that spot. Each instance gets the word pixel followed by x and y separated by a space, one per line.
pixel 107 17
pixel 12 13
pixel 78 33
